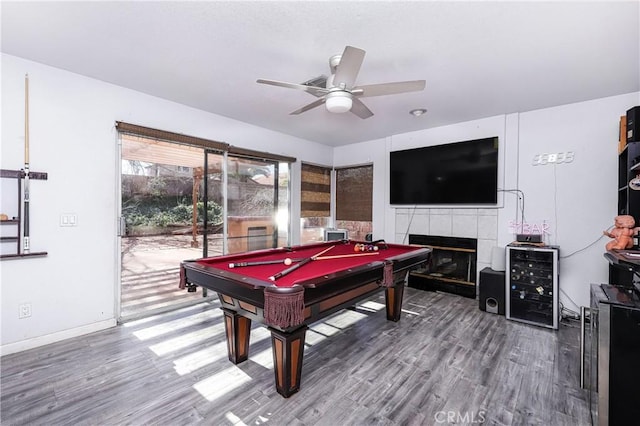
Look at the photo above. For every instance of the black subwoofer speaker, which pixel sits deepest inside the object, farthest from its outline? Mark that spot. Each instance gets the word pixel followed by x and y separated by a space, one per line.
pixel 491 291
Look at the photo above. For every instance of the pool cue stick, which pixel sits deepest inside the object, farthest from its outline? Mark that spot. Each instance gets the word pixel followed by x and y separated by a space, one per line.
pixel 340 256
pixel 273 262
pixel 261 262
pixel 298 265
pixel 25 241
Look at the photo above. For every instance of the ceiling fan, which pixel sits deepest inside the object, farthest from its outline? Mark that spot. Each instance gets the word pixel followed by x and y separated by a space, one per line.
pixel 340 93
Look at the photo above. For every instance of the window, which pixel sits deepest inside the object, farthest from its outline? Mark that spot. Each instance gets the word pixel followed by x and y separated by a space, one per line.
pixel 354 200
pixel 315 202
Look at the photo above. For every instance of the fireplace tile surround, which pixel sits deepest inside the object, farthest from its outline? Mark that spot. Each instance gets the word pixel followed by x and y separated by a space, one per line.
pixel 481 224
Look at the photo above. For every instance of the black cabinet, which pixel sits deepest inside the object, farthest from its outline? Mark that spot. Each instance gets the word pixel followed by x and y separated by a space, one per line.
pixel 615 350
pixel 532 285
pixel 628 169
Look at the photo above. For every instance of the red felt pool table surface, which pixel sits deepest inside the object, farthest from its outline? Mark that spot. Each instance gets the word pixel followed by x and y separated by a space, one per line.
pixel 308 274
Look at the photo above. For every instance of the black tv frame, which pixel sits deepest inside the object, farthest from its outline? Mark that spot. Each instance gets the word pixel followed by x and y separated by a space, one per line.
pixel 463 173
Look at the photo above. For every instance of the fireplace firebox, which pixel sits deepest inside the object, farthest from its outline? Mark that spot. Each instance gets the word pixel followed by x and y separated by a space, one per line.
pixel 452 265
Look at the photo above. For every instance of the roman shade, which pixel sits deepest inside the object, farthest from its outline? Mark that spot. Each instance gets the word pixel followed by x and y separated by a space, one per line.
pixel 315 191
pixel 354 190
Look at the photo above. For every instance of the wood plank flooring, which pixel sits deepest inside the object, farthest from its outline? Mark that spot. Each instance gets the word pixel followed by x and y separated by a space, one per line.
pixel 445 362
pixel 150 292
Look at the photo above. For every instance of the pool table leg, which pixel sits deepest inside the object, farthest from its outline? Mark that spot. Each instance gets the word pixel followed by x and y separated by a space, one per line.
pixel 238 331
pixel 288 350
pixel 394 301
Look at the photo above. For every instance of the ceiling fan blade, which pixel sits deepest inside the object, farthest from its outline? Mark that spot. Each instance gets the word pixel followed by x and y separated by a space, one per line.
pixel 316 91
pixel 309 106
pixel 389 88
pixel 349 67
pixel 360 109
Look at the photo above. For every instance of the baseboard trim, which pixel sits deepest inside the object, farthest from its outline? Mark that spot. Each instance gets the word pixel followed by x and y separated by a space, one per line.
pixel 35 342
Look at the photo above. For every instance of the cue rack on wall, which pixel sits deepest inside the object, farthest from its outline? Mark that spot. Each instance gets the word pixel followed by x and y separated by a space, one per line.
pixel 14 223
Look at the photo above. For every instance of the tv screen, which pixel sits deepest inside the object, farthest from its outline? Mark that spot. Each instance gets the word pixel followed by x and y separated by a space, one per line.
pixel 455 173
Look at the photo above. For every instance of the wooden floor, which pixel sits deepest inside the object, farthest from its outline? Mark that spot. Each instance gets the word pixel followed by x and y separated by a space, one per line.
pixel 444 362
pixel 145 293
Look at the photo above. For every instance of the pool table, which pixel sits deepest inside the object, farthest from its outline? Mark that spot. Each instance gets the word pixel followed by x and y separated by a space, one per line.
pixel 291 287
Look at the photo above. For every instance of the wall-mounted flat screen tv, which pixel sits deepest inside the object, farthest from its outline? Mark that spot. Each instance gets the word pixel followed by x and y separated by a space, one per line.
pixel 450 174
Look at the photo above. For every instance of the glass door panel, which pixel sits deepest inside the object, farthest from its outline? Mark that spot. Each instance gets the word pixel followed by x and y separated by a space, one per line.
pixel 161 223
pixel 282 213
pixel 213 204
pixel 252 204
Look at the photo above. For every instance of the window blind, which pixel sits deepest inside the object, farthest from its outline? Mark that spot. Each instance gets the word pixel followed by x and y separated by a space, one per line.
pixel 170 136
pixel 316 191
pixel 248 153
pixel 354 193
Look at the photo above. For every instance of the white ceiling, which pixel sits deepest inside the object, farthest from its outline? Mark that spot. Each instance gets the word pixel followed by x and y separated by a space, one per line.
pixel 479 59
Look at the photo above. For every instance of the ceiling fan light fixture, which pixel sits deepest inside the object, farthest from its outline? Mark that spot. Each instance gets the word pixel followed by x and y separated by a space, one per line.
pixel 338 102
pixel 340 87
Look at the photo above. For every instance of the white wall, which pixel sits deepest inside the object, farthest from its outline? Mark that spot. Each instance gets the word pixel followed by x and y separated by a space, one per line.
pixel 73 139
pixel 577 200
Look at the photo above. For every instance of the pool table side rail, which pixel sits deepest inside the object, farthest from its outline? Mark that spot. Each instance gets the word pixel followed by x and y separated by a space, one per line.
pixel 411 259
pixel 238 278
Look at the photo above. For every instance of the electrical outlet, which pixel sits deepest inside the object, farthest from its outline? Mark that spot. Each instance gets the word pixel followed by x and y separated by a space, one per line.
pixel 24 311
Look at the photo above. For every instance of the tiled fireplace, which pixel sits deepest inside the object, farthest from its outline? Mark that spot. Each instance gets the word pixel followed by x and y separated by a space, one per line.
pixel 480 224
pixel 452 266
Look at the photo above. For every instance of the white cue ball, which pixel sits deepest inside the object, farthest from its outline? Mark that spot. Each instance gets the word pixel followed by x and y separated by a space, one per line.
pixel 287 261
pixel 375 248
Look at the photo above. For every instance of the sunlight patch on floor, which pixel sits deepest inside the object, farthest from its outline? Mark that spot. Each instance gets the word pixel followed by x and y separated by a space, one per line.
pixel 372 306
pixel 313 337
pixel 263 358
pixel 209 355
pixel 187 339
pixel 235 420
pixel 262 420
pixel 152 318
pixel 345 319
pixel 260 333
pixel 215 386
pixel 180 323
pixel 324 329
pixel 196 360
pixel 332 326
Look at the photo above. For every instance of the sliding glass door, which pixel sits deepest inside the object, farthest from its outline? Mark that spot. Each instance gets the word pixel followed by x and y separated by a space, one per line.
pixel 183 201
